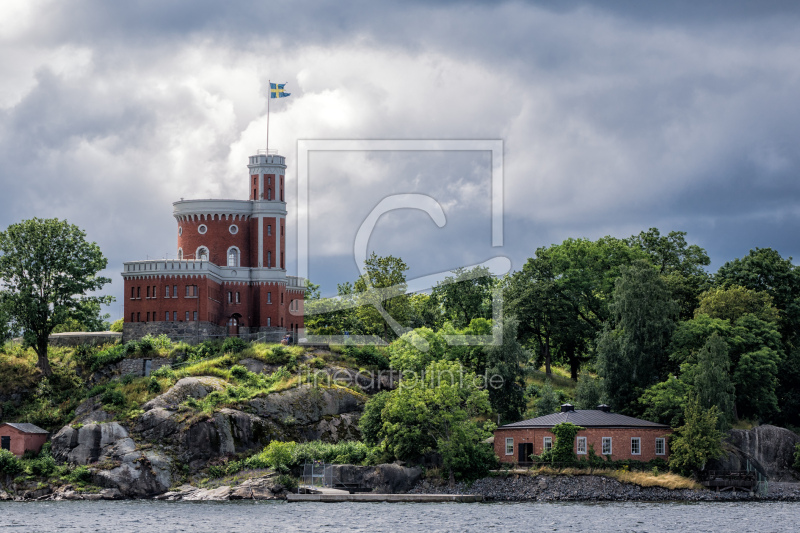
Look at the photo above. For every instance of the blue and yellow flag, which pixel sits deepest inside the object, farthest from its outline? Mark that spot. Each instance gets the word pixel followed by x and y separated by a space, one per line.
pixel 276 90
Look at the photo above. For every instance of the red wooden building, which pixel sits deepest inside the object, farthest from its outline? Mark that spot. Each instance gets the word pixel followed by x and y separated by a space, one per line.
pixel 229 277
pixel 610 434
pixel 19 438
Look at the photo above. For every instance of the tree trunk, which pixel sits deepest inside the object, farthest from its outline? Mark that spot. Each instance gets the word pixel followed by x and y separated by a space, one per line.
pixel 547 370
pixel 43 363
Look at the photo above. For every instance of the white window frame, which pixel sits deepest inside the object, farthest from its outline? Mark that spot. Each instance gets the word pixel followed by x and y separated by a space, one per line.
pixel 547 443
pixel 234 229
pixel 638 442
pixel 237 256
pixel 197 253
pixel 663 442
pixel 581 440
pixel 610 446
pixel 509 445
pixel 180 254
pixel 202 229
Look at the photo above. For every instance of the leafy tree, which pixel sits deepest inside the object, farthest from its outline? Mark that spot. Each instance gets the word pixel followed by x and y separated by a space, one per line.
pixel 466 295
pixel 633 356
pixel 8 327
pixel 548 401
pixel 712 381
pixel 383 285
pixel 697 441
pixel 589 392
pixel 680 265
pixel 464 454
pixel 416 349
pixel 425 312
pixel 505 362
pixel 47 267
pixel 117 325
pixel 665 402
pixel 371 420
pixel 756 380
pixel 435 411
pixel 731 303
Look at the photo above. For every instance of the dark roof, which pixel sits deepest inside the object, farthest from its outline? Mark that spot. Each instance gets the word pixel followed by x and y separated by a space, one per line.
pixel 25 427
pixel 588 418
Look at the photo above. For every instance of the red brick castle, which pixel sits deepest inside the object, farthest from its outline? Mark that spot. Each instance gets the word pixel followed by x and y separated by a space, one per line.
pixel 229 277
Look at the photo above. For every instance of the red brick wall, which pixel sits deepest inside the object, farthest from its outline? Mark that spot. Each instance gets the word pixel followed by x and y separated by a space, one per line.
pixel 218 239
pixel 20 442
pixel 620 442
pixel 157 305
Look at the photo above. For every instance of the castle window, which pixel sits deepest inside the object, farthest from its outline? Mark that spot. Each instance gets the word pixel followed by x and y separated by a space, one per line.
pixel 180 254
pixel 281 298
pixel 269 297
pixel 139 292
pixel 202 253
pixel 269 322
pixel 269 259
pixel 269 194
pixel 138 317
pixel 230 297
pixel 180 230
pixel 166 317
pixel 234 229
pixel 191 291
pixel 202 229
pixel 148 316
pixel 187 316
pixel 233 256
pixel 133 293
pixel 155 292
pixel 148 291
pixel 133 316
pixel 174 316
pixel 195 316
pixel 166 291
pixel 269 230
pixel 174 291
pixel 237 297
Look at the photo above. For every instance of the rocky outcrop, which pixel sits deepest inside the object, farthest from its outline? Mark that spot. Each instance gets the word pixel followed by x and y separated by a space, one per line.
pixel 184 389
pixel 768 449
pixel 383 479
pixel 262 488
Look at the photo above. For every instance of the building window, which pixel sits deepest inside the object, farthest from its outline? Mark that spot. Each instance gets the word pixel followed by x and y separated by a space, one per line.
pixel 269 297
pixel 230 297
pixel 166 317
pixel 606 445
pixel 282 260
pixel 269 259
pixel 139 292
pixel 174 316
pixel 166 291
pixel 281 298
pixel 194 316
pixel 282 226
pixel 636 446
pixel 202 229
pixel 233 256
pixel 269 180
pixel 133 293
pixel 202 253
pixel 581 448
pixel 269 194
pixel 148 316
pixel 548 444
pixel 661 447
pixel 237 297
pixel 133 317
pixel 174 291
pixel 269 230
pixel 509 446
pixel 269 322
pixel 148 291
pixel 138 317
pixel 155 291
pixel 180 254
pixel 180 230
pixel 187 316
pixel 234 229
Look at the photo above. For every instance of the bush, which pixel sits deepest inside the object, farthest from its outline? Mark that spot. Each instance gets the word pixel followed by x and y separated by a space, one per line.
pixel 146 344
pixel 113 397
pixel 154 386
pixel 233 345
pixel 368 356
pixel 9 463
pixel 109 356
pixel 80 474
pixel 288 482
pixel 127 379
pixel 317 362
pixel 117 325
pixel 43 466
pixel 277 356
pixel 277 455
pixel 239 372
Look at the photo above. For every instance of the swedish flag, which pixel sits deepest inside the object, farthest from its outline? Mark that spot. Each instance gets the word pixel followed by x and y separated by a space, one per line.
pixel 276 90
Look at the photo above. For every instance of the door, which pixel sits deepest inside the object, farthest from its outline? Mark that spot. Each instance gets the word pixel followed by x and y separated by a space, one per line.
pixel 5 443
pixel 233 325
pixel 525 452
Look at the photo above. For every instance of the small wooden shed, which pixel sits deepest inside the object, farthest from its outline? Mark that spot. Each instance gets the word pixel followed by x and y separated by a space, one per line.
pixel 21 437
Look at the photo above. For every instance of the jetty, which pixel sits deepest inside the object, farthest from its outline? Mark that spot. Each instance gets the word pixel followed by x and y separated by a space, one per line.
pixel 334 496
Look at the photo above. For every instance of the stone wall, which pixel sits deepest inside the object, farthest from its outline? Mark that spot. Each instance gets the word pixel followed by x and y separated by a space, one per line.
pixel 93 338
pixel 190 332
pixel 137 367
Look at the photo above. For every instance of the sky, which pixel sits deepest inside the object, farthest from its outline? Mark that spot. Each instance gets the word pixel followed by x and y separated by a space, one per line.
pixel 614 117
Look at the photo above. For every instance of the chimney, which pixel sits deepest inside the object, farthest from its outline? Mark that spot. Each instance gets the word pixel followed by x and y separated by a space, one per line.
pixel 603 407
pixel 567 407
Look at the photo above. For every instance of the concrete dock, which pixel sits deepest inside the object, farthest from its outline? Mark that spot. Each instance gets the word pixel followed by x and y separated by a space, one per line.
pixel 371 497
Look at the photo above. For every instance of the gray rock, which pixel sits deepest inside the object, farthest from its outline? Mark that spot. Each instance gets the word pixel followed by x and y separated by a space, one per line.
pixel 184 389
pixel 307 404
pixel 769 449
pixel 384 479
pixel 90 443
pixel 140 474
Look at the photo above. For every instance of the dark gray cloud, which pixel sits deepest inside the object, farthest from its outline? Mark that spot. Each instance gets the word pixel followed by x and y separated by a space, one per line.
pixel 615 117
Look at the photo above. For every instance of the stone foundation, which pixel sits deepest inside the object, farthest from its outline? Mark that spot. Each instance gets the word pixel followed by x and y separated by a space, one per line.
pixel 196 332
pixel 139 367
pixel 77 338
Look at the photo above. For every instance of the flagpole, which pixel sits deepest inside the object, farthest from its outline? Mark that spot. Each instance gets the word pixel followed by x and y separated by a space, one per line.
pixel 269 97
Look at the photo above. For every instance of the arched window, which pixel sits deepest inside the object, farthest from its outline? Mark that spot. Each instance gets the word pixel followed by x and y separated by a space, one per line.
pixel 202 253
pixel 233 256
pixel 180 253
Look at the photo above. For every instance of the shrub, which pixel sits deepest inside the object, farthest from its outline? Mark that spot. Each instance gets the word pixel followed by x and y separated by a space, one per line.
pixel 239 372
pixel 44 465
pixel 278 455
pixel 317 362
pixel 368 356
pixel 127 379
pixel 154 386
pixel 113 397
pixel 233 345
pixel 117 325
pixel 288 482
pixel 146 344
pixel 163 372
pixel 9 463
pixel 109 356
pixel 277 356
pixel 81 474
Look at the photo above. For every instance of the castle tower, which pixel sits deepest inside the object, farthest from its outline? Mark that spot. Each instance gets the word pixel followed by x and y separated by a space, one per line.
pixel 229 277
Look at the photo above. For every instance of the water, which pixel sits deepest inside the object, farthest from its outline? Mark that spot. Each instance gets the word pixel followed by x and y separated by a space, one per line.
pixel 128 516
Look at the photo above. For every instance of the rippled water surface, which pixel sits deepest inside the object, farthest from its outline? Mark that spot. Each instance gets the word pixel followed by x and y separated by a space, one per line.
pixel 127 516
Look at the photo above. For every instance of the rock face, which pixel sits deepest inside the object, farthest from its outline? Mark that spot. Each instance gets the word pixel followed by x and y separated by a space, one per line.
pixel 769 449
pixel 384 479
pixel 118 463
pixel 263 488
